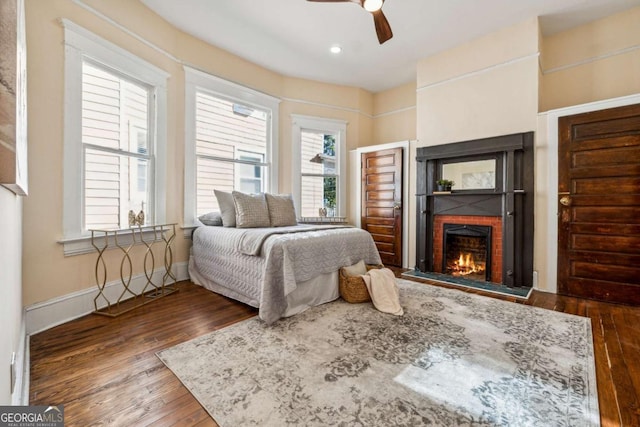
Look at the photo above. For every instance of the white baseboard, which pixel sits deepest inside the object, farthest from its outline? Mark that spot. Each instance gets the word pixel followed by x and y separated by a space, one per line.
pixel 20 395
pixel 54 312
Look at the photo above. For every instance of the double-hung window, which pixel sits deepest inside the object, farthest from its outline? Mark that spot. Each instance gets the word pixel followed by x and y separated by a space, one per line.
pixel 116 150
pixel 229 141
pixel 231 148
pixel 319 166
pixel 115 138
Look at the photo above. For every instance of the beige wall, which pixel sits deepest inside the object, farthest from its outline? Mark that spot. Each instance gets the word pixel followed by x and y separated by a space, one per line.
pixel 10 285
pixel 47 273
pixel 484 88
pixel 593 62
pixel 394 115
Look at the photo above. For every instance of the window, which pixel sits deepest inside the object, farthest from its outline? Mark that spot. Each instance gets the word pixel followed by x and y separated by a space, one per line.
pixel 318 173
pixel 231 146
pixel 319 168
pixel 228 146
pixel 115 148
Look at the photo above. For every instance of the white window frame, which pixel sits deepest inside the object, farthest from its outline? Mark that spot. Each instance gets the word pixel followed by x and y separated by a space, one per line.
pixel 198 81
pixel 79 44
pixel 332 126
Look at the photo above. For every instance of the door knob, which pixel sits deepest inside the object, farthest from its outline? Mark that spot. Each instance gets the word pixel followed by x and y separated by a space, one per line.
pixel 565 201
pixel 397 206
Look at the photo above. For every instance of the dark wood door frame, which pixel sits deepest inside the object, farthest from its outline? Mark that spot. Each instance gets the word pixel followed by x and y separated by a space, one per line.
pixel 404 145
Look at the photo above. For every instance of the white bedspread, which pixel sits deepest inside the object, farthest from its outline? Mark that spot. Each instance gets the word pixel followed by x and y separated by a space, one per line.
pixel 264 281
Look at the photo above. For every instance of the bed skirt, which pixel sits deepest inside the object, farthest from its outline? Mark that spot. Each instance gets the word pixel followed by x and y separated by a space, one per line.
pixel 316 291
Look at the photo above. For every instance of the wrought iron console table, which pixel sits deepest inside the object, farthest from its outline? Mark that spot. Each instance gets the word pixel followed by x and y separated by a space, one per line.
pixel 125 239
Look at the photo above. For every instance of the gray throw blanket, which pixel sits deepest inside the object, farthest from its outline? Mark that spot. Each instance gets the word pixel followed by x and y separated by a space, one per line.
pixel 251 240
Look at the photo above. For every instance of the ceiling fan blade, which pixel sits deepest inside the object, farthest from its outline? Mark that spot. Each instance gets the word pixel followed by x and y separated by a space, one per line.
pixel 383 29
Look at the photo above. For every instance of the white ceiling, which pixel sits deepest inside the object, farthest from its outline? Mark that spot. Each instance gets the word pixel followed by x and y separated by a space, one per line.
pixel 292 37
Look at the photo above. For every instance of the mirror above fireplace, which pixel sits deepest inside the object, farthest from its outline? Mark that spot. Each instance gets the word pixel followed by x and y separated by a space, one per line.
pixel 472 174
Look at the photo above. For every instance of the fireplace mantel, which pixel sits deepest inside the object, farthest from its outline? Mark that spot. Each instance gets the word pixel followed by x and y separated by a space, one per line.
pixel 511 199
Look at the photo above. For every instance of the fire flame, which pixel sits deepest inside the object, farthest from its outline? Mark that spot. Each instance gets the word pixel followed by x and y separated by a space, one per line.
pixel 465 265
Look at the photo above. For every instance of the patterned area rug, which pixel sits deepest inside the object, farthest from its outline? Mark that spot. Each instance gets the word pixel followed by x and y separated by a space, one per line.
pixel 452 359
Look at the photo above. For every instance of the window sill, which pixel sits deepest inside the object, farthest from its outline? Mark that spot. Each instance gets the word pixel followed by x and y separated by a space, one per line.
pixel 323 220
pixel 187 230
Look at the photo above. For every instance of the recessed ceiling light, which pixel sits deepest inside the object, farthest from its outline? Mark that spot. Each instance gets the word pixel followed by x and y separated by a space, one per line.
pixel 335 49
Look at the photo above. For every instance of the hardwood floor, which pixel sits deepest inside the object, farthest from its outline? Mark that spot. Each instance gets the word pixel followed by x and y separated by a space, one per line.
pixel 105 371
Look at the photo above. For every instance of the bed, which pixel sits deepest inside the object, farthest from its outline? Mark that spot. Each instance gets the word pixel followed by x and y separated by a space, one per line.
pixel 280 270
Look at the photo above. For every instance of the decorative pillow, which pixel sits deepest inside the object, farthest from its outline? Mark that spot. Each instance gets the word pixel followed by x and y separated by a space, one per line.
pixel 281 210
pixel 212 218
pixel 356 269
pixel 227 208
pixel 251 210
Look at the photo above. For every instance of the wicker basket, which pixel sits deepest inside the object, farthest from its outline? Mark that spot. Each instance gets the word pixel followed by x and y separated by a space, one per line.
pixel 353 288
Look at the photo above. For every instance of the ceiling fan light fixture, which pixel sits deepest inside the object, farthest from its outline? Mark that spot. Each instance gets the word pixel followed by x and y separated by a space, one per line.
pixel 372 5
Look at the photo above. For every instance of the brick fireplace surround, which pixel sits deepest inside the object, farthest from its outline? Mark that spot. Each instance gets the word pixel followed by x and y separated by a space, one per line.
pixel 507 208
pixel 495 222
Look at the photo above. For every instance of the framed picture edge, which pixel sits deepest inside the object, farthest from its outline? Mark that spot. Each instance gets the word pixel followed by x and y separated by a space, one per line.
pixel 13 153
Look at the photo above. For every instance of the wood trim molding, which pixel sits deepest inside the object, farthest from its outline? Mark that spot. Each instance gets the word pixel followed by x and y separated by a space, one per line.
pixel 471 148
pixel 479 71
pixel 591 59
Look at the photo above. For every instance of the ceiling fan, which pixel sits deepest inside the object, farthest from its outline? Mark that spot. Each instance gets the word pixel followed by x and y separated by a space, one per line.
pixel 383 29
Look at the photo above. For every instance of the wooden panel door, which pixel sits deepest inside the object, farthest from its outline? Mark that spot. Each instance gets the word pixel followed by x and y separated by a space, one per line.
pixel 599 205
pixel 382 202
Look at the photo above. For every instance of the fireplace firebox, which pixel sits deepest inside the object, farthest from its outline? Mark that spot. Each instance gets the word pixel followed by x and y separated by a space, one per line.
pixel 467 251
